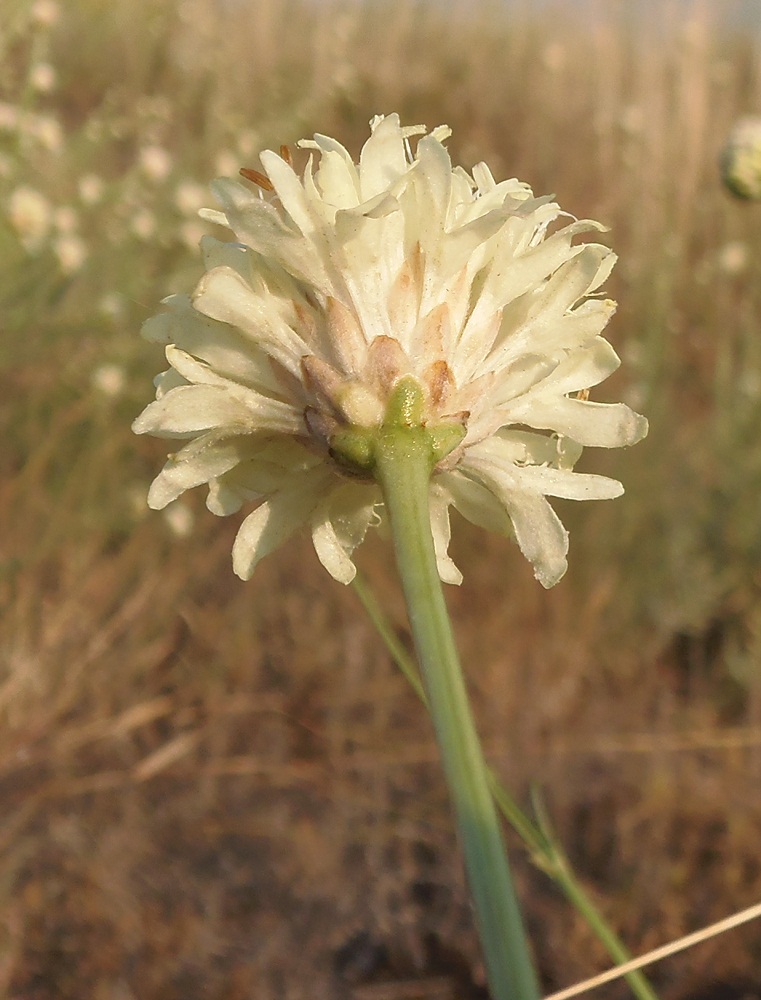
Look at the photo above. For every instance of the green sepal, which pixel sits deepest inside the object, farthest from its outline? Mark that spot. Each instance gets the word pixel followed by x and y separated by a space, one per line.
pixel 406 404
pixel 444 439
pixel 354 448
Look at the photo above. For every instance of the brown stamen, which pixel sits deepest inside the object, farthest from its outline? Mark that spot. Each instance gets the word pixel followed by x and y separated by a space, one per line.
pixel 285 154
pixel 260 179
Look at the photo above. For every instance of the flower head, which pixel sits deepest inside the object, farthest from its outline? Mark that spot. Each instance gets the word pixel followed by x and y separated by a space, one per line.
pixel 741 159
pixel 30 214
pixel 348 281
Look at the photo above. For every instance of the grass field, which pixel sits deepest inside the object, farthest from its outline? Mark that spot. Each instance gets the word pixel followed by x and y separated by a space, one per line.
pixel 223 791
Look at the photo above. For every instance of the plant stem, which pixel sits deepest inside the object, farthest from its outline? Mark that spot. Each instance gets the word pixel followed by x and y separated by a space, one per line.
pixel 543 846
pixel 403 468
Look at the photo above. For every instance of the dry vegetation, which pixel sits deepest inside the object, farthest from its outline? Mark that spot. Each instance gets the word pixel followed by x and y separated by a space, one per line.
pixel 225 791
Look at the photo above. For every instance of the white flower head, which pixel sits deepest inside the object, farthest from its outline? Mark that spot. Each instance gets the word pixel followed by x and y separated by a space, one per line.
pixel 348 280
pixel 109 379
pixel 45 12
pixel 91 189
pixel 155 162
pixel 71 251
pixel 740 160
pixel 31 215
pixel 43 78
pixel 46 130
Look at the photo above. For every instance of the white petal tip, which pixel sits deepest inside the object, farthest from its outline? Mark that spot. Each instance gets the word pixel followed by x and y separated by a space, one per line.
pixel 549 576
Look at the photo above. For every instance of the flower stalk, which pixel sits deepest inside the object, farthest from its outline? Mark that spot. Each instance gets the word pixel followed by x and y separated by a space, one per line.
pixel 542 844
pixel 403 461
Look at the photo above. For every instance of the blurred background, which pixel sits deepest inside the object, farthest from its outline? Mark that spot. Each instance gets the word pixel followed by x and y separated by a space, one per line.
pixel 215 790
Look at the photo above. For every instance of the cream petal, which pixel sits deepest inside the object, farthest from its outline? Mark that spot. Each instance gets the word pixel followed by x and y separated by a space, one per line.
pixel 273 414
pixel 269 526
pixel 198 462
pixel 216 253
pixel 257 224
pixel 337 176
pixel 582 368
pixel 160 329
pixel 543 319
pixel 601 425
pixel 228 352
pixel 191 410
pixel 463 242
pixel 290 191
pixel 339 525
pixel 508 278
pixel 223 295
pixel 540 535
pixel 426 198
pixel 226 496
pixel 347 347
pixel 168 380
pixel 442 532
pixel 383 159
pixel 569 485
pixel 475 503
pixel 215 216
pixel 538 530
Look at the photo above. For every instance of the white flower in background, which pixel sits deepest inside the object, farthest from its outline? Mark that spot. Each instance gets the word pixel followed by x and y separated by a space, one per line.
pixel 42 78
pixel 45 12
pixel 65 219
pixel 179 518
pixel 741 159
pixel 109 379
pixel 30 214
pixel 349 278
pixel 10 117
pixel 91 189
pixel 112 306
pixel 71 251
pixel 45 130
pixel 143 224
pixel 155 162
pixel 733 258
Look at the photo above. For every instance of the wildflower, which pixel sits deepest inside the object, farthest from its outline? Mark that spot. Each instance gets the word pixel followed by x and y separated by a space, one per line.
pixel 346 285
pixel 45 13
pixel 30 214
pixel 155 162
pixel 91 188
pixel 741 159
pixel 71 251
pixel 143 224
pixel 42 78
pixel 112 306
pixel 10 117
pixel 109 379
pixel 45 130
pixel 65 219
pixel 179 518
pixel 733 258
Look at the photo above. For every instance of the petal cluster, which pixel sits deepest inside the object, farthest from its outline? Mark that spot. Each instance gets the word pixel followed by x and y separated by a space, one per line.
pixel 344 278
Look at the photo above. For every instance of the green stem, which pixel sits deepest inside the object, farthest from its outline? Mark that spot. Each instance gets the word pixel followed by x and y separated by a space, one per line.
pixel 403 467
pixel 543 846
